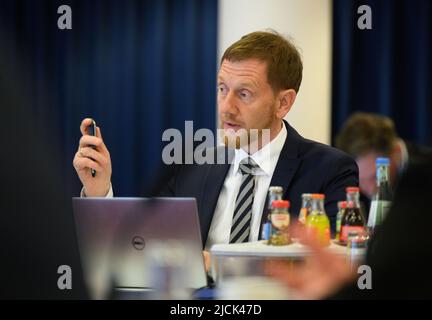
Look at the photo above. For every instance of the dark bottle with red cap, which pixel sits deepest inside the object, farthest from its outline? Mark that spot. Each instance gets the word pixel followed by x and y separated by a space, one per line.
pixel 352 219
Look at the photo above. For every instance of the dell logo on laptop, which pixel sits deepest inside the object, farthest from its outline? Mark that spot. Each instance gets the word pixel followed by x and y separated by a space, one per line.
pixel 138 243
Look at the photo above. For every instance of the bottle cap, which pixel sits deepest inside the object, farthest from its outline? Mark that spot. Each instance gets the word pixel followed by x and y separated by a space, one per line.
pixel 342 204
pixel 382 161
pixel 352 189
pixel 307 195
pixel 280 204
pixel 275 189
pixel 318 196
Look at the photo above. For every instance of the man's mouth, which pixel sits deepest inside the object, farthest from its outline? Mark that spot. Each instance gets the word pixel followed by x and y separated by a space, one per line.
pixel 231 125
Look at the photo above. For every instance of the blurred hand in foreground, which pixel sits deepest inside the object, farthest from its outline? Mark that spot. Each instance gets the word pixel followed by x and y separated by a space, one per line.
pixel 320 275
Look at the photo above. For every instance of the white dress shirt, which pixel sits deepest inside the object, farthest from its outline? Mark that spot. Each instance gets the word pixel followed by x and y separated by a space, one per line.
pixel 266 158
pixel 110 193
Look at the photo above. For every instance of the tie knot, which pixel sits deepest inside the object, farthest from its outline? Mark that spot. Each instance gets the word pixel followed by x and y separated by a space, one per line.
pixel 248 166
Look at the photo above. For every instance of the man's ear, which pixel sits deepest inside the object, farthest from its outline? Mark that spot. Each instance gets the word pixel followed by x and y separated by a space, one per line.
pixel 396 155
pixel 286 100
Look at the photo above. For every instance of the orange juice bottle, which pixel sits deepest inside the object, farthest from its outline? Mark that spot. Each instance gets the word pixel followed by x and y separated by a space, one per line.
pixel 317 222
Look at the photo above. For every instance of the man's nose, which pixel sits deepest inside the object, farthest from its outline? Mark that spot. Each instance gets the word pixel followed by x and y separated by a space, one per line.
pixel 228 104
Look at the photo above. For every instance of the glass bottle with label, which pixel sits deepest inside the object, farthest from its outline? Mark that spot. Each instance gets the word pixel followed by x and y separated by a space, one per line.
pixel 382 200
pixel 352 219
pixel 357 244
pixel 274 193
pixel 317 222
pixel 280 220
pixel 306 207
pixel 341 209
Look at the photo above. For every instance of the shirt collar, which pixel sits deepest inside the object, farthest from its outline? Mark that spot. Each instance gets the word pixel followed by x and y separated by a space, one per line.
pixel 266 158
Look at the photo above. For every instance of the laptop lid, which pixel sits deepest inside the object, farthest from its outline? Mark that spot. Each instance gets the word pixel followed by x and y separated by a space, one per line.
pixel 131 242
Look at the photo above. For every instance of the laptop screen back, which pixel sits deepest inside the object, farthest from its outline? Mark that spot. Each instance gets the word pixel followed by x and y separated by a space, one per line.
pixel 131 242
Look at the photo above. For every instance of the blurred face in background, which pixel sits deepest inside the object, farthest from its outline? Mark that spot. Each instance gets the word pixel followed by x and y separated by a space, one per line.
pixel 247 101
pixel 367 170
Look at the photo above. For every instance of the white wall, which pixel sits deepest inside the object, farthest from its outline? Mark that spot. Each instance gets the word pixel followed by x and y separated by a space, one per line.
pixel 309 23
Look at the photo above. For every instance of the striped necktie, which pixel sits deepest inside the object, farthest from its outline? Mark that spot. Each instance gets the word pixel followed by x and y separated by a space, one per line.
pixel 240 228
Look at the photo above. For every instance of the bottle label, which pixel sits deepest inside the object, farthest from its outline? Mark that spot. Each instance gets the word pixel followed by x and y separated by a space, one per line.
pixel 279 229
pixel 302 216
pixel 378 211
pixel 345 230
pixel 280 220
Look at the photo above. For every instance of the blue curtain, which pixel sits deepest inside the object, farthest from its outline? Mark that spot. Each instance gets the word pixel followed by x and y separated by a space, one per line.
pixel 136 67
pixel 387 69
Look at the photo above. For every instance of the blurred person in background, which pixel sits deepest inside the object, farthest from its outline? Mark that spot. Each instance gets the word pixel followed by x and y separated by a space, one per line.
pixel 367 136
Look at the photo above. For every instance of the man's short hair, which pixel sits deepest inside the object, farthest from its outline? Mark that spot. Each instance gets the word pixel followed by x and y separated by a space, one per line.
pixel 284 65
pixel 367 132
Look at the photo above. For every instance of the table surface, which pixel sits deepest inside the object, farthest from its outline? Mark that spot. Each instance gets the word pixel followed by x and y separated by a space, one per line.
pixel 261 249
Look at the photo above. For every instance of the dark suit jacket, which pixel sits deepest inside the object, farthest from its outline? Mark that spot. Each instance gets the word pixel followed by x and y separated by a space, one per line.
pixel 304 166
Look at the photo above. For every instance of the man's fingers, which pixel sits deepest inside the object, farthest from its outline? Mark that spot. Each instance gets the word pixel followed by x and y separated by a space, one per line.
pixel 93 154
pixel 300 232
pixel 84 124
pixel 81 163
pixel 285 271
pixel 86 141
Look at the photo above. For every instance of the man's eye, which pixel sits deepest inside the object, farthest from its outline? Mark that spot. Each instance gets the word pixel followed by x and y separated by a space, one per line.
pixel 244 94
pixel 222 89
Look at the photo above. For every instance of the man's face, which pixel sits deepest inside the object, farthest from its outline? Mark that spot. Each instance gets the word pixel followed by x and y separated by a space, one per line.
pixel 245 98
pixel 367 172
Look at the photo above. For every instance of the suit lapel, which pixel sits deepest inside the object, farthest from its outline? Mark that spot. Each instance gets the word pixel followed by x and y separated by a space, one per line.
pixel 213 183
pixel 287 164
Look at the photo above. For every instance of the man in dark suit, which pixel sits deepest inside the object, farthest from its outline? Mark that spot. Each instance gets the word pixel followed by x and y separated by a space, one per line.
pixel 258 81
pixel 367 136
pixel 299 170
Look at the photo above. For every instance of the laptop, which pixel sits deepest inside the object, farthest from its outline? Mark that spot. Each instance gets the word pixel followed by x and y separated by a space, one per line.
pixel 132 244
